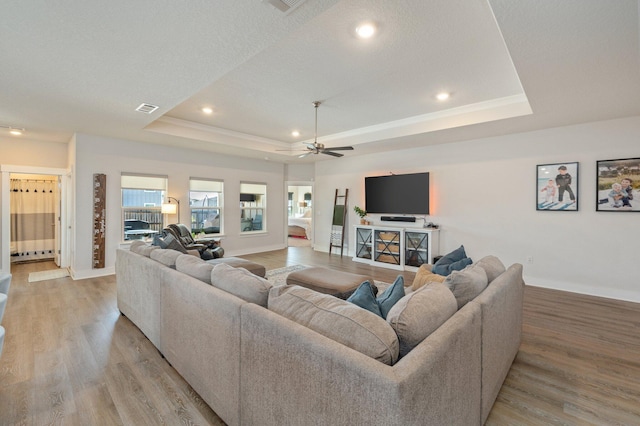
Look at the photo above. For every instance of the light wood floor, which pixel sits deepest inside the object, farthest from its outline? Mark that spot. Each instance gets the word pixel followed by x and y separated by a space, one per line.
pixel 70 358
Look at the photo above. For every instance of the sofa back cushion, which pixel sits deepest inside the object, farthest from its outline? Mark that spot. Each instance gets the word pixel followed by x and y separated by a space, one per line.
pixel 338 320
pixel 167 257
pixel 492 266
pixel 142 248
pixel 420 313
pixel 195 267
pixel 241 283
pixel 467 284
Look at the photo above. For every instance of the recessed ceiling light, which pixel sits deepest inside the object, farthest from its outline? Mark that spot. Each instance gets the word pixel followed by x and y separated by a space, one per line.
pixel 366 30
pixel 295 133
pixel 442 96
pixel 207 110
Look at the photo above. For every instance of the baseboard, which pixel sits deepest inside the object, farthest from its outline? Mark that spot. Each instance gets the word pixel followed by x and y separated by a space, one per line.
pixel 91 273
pixel 608 293
pixel 254 250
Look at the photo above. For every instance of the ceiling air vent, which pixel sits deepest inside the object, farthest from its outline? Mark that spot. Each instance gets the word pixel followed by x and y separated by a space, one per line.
pixel 284 6
pixel 147 108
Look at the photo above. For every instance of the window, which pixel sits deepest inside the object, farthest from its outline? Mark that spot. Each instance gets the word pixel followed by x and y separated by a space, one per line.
pixel 253 204
pixel 142 198
pixel 205 200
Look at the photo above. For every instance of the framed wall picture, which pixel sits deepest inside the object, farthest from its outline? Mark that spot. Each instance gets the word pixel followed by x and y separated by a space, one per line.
pixel 557 187
pixel 618 186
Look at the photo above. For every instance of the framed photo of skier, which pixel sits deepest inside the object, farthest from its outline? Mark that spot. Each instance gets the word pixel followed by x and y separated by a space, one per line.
pixel 618 185
pixel 557 187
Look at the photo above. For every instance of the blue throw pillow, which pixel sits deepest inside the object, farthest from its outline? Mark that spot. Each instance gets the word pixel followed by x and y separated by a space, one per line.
pixel 442 266
pixel 366 299
pixel 390 296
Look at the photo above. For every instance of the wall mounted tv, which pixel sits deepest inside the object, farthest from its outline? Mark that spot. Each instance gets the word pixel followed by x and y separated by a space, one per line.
pixel 397 194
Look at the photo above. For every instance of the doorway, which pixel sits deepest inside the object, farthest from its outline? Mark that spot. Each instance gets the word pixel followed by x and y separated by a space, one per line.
pixel 35 207
pixel 34 210
pixel 300 214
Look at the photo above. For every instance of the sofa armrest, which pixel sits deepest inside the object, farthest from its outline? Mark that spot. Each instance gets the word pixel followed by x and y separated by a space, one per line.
pixel 501 308
pixel 292 375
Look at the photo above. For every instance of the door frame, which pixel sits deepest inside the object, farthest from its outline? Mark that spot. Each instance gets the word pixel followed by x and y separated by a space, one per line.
pixel 64 225
pixel 287 184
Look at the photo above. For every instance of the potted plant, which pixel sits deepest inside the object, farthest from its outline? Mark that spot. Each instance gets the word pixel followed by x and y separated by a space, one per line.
pixel 362 214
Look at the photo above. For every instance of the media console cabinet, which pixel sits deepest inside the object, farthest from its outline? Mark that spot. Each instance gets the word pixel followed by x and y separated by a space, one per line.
pixel 395 248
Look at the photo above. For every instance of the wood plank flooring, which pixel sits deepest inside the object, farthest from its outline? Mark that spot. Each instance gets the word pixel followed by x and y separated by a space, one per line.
pixel 71 359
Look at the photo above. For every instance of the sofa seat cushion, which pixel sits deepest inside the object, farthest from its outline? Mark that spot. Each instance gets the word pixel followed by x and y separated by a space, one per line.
pixel 338 320
pixel 195 267
pixel 329 281
pixel 167 257
pixel 467 284
pixel 492 266
pixel 420 313
pixel 424 276
pixel 236 262
pixel 241 283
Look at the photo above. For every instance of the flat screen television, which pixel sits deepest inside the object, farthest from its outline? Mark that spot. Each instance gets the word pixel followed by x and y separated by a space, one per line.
pixel 397 194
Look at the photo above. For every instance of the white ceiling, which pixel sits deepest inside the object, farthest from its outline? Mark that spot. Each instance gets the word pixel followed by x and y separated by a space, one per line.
pixel 510 66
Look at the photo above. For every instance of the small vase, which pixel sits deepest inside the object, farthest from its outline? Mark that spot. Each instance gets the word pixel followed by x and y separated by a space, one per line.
pixel 363 221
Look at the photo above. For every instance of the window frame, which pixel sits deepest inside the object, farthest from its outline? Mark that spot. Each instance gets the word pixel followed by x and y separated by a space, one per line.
pixel 219 207
pixel 145 213
pixel 248 213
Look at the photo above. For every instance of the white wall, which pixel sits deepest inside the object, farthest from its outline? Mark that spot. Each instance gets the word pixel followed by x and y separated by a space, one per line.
pixel 483 194
pixel 95 154
pixel 25 152
pixel 299 172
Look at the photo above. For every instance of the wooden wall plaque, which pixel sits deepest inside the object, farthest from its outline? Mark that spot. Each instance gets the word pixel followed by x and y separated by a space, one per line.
pixel 99 206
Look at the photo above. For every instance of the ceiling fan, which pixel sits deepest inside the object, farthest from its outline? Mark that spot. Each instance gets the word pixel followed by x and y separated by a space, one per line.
pixel 318 148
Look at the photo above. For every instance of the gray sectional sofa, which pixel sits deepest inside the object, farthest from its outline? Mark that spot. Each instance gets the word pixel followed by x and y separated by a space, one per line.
pixel 256 366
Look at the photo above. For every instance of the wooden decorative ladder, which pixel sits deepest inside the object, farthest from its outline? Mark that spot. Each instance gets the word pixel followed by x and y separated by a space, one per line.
pixel 339 221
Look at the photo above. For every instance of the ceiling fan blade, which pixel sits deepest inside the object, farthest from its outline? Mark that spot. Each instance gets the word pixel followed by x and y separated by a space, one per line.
pixel 311 146
pixel 335 154
pixel 341 148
